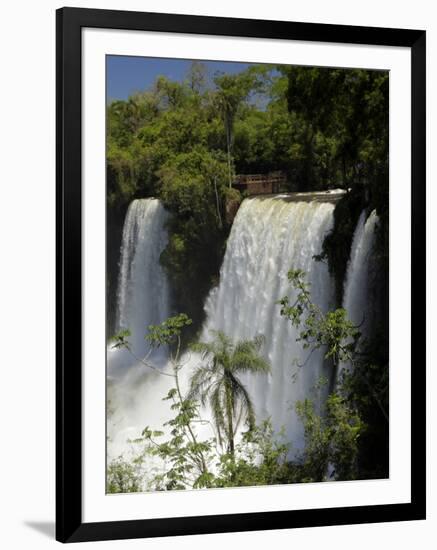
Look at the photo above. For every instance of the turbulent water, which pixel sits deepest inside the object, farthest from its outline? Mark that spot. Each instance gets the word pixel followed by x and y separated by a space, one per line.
pixel 269 236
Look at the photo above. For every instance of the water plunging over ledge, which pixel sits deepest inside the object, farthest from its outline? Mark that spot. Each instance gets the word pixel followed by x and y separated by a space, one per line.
pixel 269 236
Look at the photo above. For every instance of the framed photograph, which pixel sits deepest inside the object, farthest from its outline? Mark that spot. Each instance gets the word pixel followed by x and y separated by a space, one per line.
pixel 240 275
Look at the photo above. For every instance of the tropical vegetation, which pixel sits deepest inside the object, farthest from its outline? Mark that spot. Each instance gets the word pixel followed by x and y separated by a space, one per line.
pixel 242 451
pixel 184 142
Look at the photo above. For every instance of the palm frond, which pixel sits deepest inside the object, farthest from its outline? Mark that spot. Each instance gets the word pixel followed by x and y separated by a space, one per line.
pixel 217 411
pixel 201 381
pixel 204 348
pixel 247 405
pixel 216 378
pixel 246 358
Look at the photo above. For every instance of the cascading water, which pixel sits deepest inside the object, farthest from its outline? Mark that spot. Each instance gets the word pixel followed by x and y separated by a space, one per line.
pixel 143 295
pixel 134 391
pixel 268 238
pixel 357 299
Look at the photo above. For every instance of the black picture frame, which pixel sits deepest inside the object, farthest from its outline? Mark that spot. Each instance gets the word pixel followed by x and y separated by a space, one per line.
pixel 69 525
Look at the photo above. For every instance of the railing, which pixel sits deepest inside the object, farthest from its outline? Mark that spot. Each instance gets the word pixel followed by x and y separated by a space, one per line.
pixel 271 178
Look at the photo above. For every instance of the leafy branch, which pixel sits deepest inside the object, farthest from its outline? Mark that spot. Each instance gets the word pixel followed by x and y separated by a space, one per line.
pixel 332 331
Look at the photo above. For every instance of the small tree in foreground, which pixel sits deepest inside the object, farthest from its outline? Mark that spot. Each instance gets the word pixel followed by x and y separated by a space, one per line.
pixel 217 381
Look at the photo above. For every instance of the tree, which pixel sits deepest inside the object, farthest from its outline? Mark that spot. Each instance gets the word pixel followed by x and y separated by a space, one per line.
pixel 217 382
pixel 232 90
pixel 197 77
pixel 171 94
pixel 311 98
pixel 341 124
pixel 192 188
pixel 189 458
pixel 258 459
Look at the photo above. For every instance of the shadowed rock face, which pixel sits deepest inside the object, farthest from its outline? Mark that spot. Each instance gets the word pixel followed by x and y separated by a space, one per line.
pixel 231 209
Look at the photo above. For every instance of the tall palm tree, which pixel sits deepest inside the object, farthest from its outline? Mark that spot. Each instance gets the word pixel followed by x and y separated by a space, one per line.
pixel 217 381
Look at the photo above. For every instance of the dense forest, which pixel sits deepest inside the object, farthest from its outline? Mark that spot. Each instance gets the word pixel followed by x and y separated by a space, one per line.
pixel 184 142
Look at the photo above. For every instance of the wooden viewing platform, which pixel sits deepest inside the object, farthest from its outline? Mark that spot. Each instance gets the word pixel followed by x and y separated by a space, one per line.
pixel 260 184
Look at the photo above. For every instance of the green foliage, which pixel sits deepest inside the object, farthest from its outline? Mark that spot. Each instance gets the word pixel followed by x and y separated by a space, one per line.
pixel 260 458
pixel 368 386
pixel 192 188
pixel 185 456
pixel 123 477
pixel 169 142
pixel 232 91
pixel 129 171
pixel 121 339
pixel 168 331
pixel 341 124
pixel 341 140
pixel 333 331
pixel 361 396
pixel 331 439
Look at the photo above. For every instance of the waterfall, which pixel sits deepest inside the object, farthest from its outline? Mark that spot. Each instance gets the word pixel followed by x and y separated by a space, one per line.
pixel 134 392
pixel 268 238
pixel 357 288
pixel 143 294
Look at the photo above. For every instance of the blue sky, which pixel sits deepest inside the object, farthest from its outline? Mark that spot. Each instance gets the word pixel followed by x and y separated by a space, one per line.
pixel 126 75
